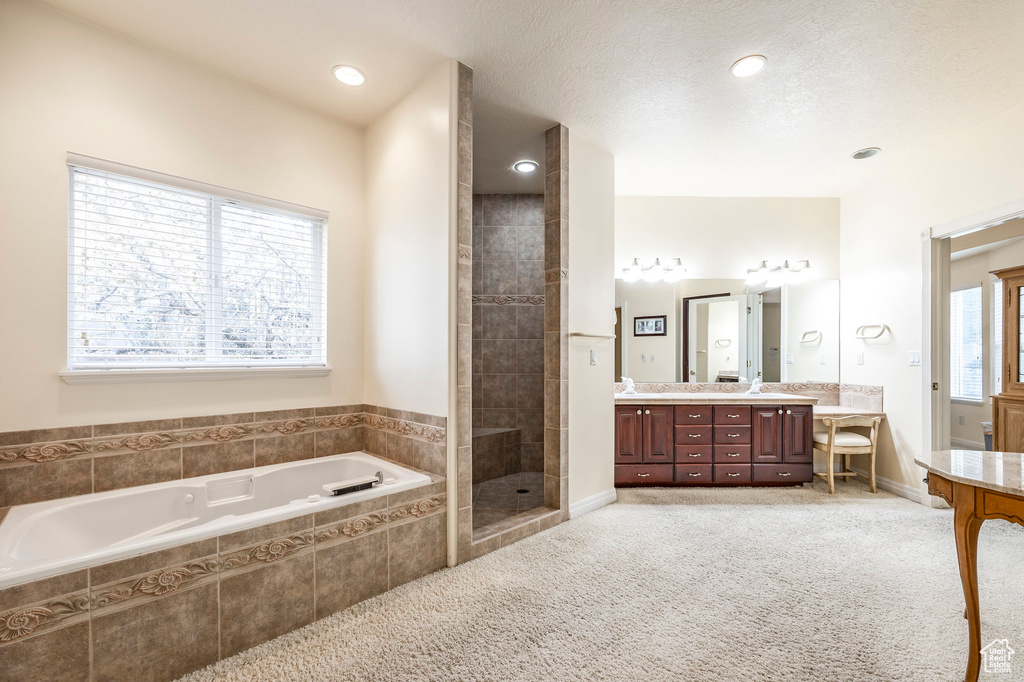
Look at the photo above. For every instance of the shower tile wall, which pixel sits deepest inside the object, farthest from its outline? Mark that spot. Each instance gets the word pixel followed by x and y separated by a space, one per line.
pixel 508 319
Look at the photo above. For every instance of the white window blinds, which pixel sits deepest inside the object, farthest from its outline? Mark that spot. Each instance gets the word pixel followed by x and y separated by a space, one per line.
pixel 169 276
pixel 965 344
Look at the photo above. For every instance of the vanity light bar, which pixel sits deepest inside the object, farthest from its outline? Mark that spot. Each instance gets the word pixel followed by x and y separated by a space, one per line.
pixel 655 272
pixel 763 272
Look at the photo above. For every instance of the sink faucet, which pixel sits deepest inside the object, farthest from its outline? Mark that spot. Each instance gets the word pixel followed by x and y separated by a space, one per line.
pixel 755 385
pixel 630 386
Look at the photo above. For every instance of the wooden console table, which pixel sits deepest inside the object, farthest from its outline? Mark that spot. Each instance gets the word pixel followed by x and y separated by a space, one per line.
pixel 979 486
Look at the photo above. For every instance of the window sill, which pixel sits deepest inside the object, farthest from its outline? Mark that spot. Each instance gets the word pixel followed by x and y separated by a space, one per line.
pixel 135 376
pixel 968 401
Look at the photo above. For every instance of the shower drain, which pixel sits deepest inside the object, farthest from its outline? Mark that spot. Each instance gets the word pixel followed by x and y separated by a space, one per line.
pixel 523 491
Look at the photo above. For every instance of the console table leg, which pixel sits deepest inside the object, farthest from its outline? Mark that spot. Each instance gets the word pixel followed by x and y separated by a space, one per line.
pixel 966 526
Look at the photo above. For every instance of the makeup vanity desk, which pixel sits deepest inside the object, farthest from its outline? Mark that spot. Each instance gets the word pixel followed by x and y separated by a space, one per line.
pixel 979 486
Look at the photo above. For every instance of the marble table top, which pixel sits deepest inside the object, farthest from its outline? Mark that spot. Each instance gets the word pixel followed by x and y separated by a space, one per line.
pixel 999 471
pixel 843 411
pixel 713 399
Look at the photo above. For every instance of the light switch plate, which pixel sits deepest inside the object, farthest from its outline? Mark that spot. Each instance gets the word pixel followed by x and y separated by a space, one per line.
pixel 915 358
pixel 593 356
pixel 789 358
pixel 860 358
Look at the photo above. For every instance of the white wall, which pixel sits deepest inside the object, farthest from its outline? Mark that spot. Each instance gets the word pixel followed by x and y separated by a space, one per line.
pixel 723 325
pixel 408 175
pixel 811 306
pixel 644 299
pixel 720 238
pixel 882 255
pixel 67 86
pixel 591 309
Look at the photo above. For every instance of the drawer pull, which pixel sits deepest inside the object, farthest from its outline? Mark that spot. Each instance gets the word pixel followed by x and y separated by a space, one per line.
pixel 694 416
pixel 733 416
pixel 732 454
pixel 733 435
pixel 694 475
pixel 647 412
pixel 789 411
pixel 785 473
pixel 693 454
pixel 639 412
pixel 732 474
pixel 646 475
pixel 694 435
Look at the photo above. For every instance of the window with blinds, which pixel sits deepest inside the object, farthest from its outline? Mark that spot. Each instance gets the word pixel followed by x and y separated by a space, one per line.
pixel 167 273
pixel 965 344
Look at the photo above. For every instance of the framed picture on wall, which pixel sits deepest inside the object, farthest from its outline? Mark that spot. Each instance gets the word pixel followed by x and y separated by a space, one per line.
pixel 654 325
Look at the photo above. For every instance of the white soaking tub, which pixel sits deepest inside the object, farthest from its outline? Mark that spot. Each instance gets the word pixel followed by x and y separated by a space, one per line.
pixel 46 538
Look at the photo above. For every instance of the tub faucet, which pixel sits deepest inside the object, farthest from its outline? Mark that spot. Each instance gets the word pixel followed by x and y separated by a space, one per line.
pixel 755 385
pixel 630 386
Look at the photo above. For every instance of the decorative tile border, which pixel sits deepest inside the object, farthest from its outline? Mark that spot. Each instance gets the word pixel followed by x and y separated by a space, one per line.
pixel 25 621
pixel 552 276
pixel 156 583
pixel 417 509
pixel 503 299
pixel 53 451
pixel 268 552
pixel 351 528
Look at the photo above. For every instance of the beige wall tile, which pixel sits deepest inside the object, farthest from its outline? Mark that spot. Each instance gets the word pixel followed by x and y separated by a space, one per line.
pixel 350 572
pixel 215 458
pixel 37 481
pixel 278 449
pixel 60 655
pixel 339 441
pixel 416 549
pixel 111 472
pixel 264 603
pixel 157 640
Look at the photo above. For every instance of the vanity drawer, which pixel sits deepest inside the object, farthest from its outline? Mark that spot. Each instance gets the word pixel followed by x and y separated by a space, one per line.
pixel 693 474
pixel 729 435
pixel 694 454
pixel 789 474
pixel 725 414
pixel 732 473
pixel 693 414
pixel 693 435
pixel 731 454
pixel 643 474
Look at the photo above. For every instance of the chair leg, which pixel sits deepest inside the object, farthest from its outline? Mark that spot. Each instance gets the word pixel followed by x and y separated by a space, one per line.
pixel 831 473
pixel 874 489
pixel 846 462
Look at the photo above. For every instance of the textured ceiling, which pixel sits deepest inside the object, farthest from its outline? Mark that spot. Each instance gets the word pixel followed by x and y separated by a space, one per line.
pixel 647 80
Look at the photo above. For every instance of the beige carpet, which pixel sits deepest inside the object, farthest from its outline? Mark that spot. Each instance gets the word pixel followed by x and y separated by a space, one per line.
pixel 744 584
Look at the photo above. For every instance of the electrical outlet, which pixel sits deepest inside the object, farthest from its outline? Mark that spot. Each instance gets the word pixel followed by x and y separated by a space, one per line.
pixel 789 358
pixel 860 358
pixel 960 420
pixel 643 357
pixel 821 359
pixel 652 357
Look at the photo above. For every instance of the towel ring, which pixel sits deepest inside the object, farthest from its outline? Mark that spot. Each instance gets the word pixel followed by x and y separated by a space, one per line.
pixel 863 333
pixel 811 336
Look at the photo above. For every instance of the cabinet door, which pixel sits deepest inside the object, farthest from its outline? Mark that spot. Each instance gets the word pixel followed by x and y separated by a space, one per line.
pixel 629 439
pixel 658 436
pixel 798 434
pixel 767 434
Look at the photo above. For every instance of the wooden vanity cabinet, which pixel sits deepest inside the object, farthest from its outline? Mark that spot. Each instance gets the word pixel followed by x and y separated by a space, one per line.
pixel 713 444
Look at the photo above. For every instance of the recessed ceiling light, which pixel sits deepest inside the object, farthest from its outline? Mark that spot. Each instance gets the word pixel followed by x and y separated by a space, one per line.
pixel 749 65
pixel 866 153
pixel 349 75
pixel 525 166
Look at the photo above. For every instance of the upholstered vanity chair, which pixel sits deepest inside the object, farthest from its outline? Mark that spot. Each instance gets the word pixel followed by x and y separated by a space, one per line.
pixel 837 441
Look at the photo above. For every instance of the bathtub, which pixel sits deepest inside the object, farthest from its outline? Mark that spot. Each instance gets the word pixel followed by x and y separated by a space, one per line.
pixel 48 538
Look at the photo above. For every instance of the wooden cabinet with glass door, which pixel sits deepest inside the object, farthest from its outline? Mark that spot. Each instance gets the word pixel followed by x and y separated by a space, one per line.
pixel 1008 406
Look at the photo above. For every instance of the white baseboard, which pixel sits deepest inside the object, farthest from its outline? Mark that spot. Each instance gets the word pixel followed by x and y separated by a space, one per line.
pixel 907 491
pixel 589 504
pixel 961 444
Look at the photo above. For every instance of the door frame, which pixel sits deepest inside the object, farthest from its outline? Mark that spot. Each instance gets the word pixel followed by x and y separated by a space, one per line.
pixel 685 333
pixel 935 320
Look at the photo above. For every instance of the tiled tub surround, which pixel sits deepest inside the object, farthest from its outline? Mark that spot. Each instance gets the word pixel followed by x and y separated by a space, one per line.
pixel 57 536
pixel 508 319
pixel 496 453
pixel 52 463
pixel 160 615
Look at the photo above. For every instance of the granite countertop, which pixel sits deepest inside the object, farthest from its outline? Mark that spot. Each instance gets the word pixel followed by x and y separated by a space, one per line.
pixel 842 411
pixel 713 399
pixel 999 471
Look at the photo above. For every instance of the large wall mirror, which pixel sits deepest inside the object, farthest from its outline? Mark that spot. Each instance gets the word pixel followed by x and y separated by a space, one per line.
pixel 720 330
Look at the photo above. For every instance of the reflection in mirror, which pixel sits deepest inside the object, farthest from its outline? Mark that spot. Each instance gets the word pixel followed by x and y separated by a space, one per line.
pixel 718 331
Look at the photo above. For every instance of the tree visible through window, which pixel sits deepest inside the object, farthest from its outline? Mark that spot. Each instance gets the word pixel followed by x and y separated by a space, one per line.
pixel 162 276
pixel 965 344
